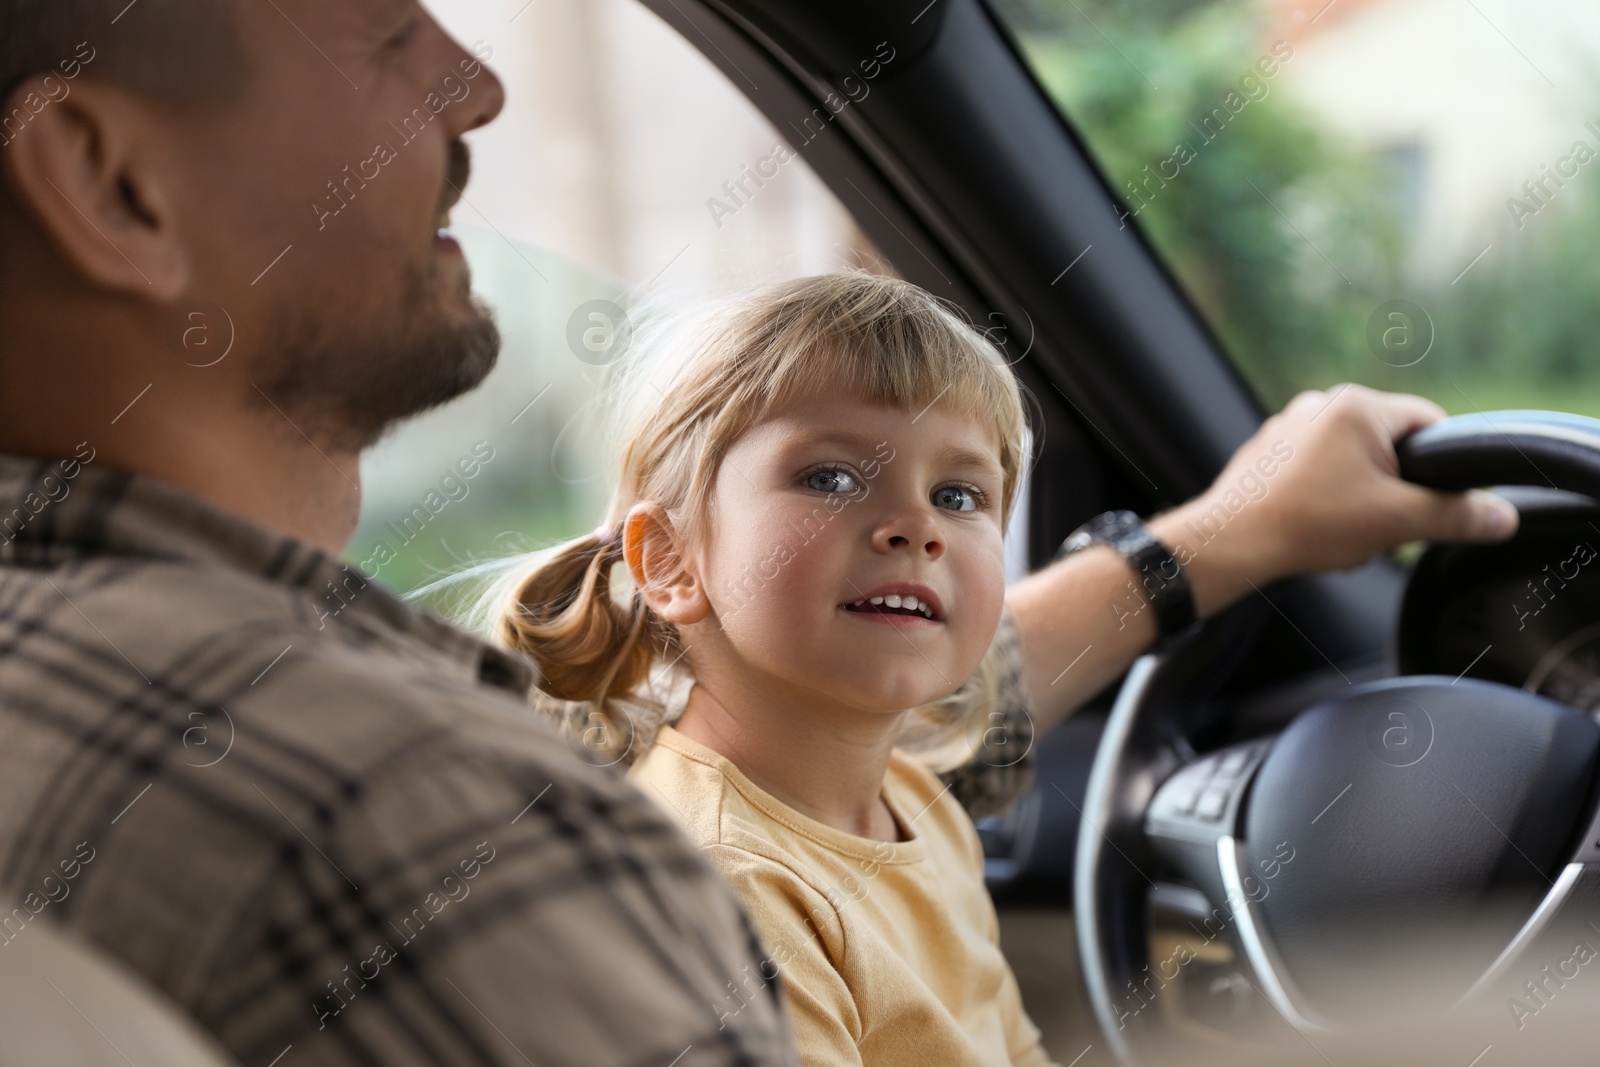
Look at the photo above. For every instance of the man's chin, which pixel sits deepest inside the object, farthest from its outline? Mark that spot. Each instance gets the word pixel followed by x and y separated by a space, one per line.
pixel 449 364
pixel 348 392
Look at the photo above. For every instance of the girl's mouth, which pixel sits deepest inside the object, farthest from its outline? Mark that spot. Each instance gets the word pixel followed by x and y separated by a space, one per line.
pixel 894 610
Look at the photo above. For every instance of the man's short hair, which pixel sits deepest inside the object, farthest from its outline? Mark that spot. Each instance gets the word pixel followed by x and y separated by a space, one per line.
pixel 178 51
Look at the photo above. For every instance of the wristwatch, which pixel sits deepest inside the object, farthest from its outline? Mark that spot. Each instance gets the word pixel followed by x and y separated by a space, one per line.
pixel 1165 584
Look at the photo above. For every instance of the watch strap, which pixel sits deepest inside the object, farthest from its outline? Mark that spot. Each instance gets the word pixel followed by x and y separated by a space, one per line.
pixel 1165 583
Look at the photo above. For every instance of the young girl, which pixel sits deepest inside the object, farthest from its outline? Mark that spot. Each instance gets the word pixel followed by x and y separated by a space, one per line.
pixel 813 487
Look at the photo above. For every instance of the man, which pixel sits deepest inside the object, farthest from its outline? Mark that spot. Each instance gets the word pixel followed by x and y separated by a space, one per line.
pixel 339 838
pixel 336 832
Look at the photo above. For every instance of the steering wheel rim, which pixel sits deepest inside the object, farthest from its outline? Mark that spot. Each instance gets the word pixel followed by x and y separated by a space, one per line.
pixel 1124 829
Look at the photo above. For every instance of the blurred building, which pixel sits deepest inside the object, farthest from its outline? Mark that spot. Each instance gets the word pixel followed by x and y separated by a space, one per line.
pixel 616 134
pixel 1472 104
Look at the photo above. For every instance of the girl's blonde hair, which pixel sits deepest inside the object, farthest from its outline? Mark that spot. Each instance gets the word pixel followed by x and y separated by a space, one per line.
pixel 679 402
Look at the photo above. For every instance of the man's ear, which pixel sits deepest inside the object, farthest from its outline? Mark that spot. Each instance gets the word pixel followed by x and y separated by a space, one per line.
pixel 668 582
pixel 82 167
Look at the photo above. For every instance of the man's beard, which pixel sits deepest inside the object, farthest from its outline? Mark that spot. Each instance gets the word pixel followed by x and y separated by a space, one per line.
pixel 345 389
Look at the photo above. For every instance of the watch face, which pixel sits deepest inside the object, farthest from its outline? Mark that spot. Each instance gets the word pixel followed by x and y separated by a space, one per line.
pixel 1110 527
pixel 1139 542
pixel 1110 520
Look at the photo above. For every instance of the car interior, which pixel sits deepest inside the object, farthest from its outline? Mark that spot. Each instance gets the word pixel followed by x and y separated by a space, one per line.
pixel 1162 836
pixel 1358 802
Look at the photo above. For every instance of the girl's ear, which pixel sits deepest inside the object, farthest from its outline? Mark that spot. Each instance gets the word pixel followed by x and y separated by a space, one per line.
pixel 665 579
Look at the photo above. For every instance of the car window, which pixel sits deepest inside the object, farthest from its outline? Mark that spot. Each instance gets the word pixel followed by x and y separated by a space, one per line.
pixel 625 166
pixel 1401 193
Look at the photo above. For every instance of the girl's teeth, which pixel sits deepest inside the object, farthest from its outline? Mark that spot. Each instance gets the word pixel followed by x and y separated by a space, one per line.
pixel 906 603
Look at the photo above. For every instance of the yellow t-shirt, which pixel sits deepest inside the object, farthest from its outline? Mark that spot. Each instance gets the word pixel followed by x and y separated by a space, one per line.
pixel 886 953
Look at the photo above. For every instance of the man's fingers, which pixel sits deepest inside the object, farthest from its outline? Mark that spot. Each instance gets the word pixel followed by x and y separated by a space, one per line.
pixel 1306 401
pixel 1470 516
pixel 1403 413
pixel 1306 396
pixel 1390 416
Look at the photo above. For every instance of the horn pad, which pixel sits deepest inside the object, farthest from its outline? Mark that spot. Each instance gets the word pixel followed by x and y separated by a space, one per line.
pixel 1428 818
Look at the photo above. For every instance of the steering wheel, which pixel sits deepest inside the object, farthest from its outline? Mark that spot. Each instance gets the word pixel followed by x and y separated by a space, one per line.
pixel 1396 816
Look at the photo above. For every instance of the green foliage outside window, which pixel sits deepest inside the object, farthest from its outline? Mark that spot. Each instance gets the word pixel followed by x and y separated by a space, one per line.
pixel 1287 237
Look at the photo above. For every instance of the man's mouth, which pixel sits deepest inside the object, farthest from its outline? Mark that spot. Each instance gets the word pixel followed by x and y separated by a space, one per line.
pixel 456 179
pixel 442 222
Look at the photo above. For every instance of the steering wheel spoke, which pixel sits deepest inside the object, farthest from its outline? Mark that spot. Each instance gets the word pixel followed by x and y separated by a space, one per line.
pixel 1551 922
pixel 1198 805
pixel 1193 823
pixel 1562 931
pixel 1243 893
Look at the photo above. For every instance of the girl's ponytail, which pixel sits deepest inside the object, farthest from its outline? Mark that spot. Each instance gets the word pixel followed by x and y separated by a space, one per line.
pixel 593 651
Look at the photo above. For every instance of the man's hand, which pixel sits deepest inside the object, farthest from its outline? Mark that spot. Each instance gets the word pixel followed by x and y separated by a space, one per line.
pixel 1317 488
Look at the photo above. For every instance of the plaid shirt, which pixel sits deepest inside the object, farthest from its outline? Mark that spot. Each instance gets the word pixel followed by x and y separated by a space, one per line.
pixel 323 821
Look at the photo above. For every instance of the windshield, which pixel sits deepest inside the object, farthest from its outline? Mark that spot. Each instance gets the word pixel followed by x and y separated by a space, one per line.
pixel 1400 193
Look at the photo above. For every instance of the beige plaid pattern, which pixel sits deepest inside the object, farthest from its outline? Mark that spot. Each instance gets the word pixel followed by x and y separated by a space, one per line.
pixel 323 821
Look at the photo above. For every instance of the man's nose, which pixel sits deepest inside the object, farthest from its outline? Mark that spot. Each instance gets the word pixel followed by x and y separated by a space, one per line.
pixel 487 97
pixel 487 102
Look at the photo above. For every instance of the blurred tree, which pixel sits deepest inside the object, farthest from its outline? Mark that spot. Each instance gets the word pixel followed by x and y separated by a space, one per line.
pixel 1287 238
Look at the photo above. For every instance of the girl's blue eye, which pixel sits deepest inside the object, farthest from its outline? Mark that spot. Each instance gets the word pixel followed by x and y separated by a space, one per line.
pixel 838 480
pixel 942 495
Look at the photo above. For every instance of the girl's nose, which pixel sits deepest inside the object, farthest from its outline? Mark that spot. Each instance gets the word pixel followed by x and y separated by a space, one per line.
pixel 916 530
